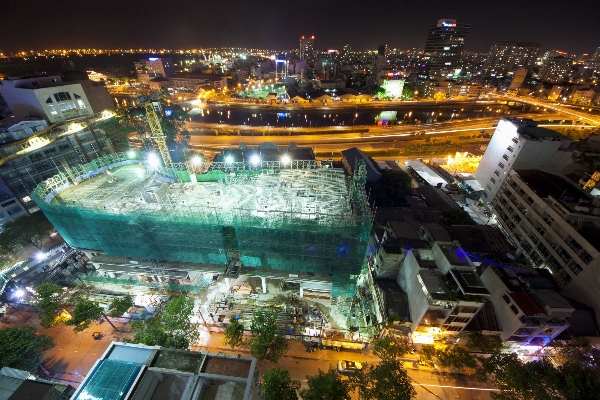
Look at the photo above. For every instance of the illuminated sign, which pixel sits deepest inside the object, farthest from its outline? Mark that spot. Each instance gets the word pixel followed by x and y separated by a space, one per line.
pixel 448 25
pixel 153 58
pixel 168 112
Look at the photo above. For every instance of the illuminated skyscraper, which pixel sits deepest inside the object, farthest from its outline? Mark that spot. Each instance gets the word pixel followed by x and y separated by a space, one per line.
pixel 444 45
pixel 307 48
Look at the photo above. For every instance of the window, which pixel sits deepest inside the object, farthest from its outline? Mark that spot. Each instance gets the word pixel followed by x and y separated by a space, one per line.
pixel 76 96
pixel 81 104
pixel 515 140
pixel 49 100
pixel 497 173
pixel 52 109
pixel 26 199
pixel 510 148
pixel 506 298
pixel 488 188
pixel 485 195
pixel 62 96
pixel 505 157
pixel 68 106
pixel 493 181
pixel 514 309
pixel 501 165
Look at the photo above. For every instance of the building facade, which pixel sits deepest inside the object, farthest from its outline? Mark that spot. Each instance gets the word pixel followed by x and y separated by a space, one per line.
pixel 444 45
pixel 556 69
pixel 510 56
pixel 557 227
pixel 50 98
pixel 520 144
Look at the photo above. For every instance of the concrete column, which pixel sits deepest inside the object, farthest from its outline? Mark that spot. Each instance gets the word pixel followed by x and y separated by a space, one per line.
pixel 227 283
pixel 264 284
pixel 301 292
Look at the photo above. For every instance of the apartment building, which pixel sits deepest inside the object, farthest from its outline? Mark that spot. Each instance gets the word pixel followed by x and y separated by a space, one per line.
pixel 557 227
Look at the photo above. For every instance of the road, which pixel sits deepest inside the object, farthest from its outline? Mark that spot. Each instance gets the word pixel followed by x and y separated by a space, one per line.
pixel 429 383
pixel 373 137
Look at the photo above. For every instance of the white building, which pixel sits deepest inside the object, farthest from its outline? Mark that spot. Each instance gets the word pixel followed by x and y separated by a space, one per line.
pixel 50 98
pixel 10 208
pixel 525 315
pixel 557 227
pixel 520 144
pixel 444 293
pixel 20 128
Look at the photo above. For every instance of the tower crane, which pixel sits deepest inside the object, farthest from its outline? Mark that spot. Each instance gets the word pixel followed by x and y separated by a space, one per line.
pixel 157 135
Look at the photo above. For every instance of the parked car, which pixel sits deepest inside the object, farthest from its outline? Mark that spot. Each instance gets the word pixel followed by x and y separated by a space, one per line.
pixel 349 367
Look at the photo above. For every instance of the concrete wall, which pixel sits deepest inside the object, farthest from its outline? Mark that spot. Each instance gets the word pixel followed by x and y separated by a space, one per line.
pixel 407 280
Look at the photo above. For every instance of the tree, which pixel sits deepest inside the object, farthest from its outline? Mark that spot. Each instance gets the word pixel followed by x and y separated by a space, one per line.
pixel 456 358
pixel 326 386
pixel 390 190
pixel 234 333
pixel 390 347
pixel 386 380
pixel 48 301
pixel 407 92
pixel 264 343
pixel 120 305
pixel 482 343
pixel 26 231
pixel 280 386
pixel 428 354
pixel 170 326
pixel 22 348
pixel 84 313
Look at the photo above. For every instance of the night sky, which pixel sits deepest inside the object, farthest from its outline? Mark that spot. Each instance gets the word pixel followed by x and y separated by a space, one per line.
pixel 568 25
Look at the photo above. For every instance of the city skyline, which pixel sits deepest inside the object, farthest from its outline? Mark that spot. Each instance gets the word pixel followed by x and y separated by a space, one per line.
pixel 555 24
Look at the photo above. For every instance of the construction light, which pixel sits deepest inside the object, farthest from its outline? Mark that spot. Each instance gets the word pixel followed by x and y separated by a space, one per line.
pixel 285 159
pixel 196 160
pixel 153 160
pixel 19 293
pixel 229 159
pixel 40 256
pixel 131 154
pixel 254 160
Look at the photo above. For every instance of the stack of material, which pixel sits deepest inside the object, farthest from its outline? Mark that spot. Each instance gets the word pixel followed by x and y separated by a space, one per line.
pixel 243 290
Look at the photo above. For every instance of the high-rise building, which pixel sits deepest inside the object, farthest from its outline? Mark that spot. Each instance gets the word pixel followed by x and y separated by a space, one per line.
pixel 307 47
pixel 509 56
pixel 520 144
pixel 556 69
pixel 444 45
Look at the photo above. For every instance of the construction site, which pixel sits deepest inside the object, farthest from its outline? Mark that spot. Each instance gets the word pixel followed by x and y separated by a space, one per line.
pixel 248 228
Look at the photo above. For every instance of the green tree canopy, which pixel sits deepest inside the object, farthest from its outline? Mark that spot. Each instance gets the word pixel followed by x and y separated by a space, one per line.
pixel 120 305
pixel 264 343
pixel 387 380
pixel 326 386
pixel 390 190
pixel 234 333
pixel 22 348
pixel 280 386
pixel 390 347
pixel 84 313
pixel 170 326
pixel 48 301
pixel 479 342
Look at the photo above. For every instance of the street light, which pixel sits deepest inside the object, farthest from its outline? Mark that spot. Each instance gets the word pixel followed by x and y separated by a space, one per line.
pixel 285 159
pixel 196 160
pixel 153 160
pixel 254 160
pixel 131 154
pixel 229 159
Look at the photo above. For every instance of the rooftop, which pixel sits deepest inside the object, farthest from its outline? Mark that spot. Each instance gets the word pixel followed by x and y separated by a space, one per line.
pixel 353 155
pixel 545 184
pixel 319 195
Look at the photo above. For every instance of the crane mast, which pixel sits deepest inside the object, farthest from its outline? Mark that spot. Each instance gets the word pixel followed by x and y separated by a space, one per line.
pixel 157 135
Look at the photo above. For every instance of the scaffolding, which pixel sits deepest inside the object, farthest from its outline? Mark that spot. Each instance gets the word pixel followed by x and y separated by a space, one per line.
pixel 303 220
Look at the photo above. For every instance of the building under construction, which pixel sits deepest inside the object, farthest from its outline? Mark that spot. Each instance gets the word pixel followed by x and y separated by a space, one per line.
pixel 289 220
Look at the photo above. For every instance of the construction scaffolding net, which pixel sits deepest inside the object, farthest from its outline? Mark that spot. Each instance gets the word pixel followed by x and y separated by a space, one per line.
pixel 310 221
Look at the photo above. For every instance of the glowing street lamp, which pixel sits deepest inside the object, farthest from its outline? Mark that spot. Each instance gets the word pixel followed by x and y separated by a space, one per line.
pixel 153 160
pixel 229 159
pixel 196 160
pixel 285 159
pixel 254 160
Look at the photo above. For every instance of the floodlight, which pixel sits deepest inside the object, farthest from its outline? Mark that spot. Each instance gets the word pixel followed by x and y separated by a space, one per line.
pixel 131 154
pixel 229 159
pixel 40 256
pixel 254 160
pixel 285 159
pixel 19 293
pixel 196 160
pixel 153 160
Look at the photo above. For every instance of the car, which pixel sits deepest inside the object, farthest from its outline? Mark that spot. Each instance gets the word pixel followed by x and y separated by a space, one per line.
pixel 349 367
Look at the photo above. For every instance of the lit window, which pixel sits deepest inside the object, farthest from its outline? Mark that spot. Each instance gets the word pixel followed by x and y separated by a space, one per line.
pixel 52 109
pixel 509 148
pixel 81 104
pixel 26 199
pixel 505 157
pixel 497 173
pixel 501 165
